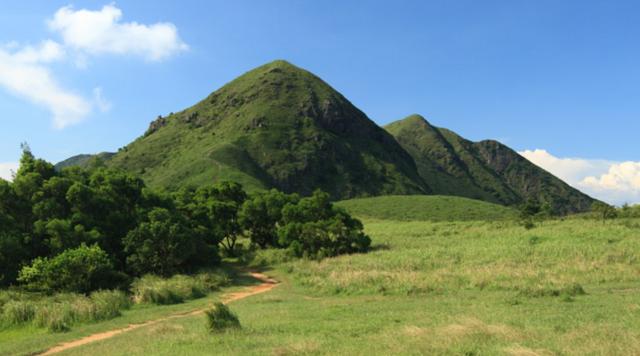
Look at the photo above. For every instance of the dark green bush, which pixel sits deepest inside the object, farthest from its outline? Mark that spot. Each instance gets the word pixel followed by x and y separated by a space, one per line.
pixel 314 228
pixel 221 318
pixel 81 270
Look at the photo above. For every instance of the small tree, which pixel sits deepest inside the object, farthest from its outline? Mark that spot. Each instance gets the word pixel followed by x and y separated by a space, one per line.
pixel 528 213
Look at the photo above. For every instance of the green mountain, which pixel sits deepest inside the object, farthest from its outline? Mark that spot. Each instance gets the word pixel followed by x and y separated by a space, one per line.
pixel 275 126
pixel 279 126
pixel 486 170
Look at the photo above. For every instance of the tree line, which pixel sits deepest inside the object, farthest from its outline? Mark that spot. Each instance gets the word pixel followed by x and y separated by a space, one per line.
pixel 85 229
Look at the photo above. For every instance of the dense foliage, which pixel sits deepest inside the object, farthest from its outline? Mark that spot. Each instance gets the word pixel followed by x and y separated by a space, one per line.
pixel 81 269
pixel 80 230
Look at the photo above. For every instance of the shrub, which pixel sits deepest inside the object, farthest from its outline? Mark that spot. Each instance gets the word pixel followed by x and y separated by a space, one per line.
pixel 221 318
pixel 315 228
pixel 82 270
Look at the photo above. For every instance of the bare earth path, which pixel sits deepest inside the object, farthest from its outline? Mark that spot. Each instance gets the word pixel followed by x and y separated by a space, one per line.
pixel 266 285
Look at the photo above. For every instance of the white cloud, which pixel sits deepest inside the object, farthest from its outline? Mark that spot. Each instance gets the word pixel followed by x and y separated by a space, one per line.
pixel 24 73
pixel 7 170
pixel 25 70
pixel 98 32
pixel 571 170
pixel 48 51
pixel 610 181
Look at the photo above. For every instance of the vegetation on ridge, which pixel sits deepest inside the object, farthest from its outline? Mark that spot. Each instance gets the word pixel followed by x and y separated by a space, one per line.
pixel 486 170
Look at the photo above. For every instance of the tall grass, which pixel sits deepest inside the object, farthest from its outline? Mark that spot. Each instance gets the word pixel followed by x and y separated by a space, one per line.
pixel 556 258
pixel 59 312
pixel 177 289
pixel 221 318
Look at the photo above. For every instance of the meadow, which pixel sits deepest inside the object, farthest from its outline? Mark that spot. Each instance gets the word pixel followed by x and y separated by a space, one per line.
pixel 471 288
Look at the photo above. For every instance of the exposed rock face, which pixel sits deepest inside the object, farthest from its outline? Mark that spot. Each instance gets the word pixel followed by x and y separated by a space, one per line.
pixel 156 125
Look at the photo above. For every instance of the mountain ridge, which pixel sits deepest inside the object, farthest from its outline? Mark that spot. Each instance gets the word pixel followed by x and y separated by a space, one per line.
pixel 280 126
pixel 485 170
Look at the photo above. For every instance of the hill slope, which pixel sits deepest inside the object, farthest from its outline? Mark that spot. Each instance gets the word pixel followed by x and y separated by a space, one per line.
pixel 275 126
pixel 279 126
pixel 486 170
pixel 426 208
pixel 83 160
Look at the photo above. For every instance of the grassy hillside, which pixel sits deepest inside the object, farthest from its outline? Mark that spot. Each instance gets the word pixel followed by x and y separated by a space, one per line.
pixel 275 126
pixel 436 288
pixel 486 170
pixel 84 160
pixel 279 126
pixel 426 208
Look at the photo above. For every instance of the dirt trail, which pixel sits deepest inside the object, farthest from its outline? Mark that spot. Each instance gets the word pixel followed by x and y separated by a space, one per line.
pixel 266 285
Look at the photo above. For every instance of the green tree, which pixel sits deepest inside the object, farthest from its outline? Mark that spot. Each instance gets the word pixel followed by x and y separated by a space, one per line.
pixel 221 204
pixel 260 215
pixel 13 255
pixel 162 244
pixel 313 227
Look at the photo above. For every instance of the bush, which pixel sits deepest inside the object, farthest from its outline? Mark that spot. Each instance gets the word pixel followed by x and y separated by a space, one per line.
pixel 315 228
pixel 221 318
pixel 82 270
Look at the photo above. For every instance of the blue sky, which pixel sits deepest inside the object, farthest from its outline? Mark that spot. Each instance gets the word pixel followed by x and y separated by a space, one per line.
pixel 556 80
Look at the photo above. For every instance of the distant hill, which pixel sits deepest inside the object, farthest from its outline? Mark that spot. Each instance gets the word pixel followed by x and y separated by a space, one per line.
pixel 279 126
pixel 485 170
pixel 426 208
pixel 83 160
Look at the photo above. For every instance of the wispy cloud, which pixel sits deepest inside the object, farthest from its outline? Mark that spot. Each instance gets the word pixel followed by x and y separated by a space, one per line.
pixel 611 181
pixel 26 70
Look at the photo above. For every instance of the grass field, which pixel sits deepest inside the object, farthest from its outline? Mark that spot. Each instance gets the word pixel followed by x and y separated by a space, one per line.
pixel 426 208
pixel 459 288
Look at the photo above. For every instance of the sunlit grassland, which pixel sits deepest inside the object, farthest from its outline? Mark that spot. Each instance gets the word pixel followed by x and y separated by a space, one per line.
pixel 475 288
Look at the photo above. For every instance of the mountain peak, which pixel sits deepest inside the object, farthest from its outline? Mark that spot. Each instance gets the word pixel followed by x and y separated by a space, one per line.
pixel 279 126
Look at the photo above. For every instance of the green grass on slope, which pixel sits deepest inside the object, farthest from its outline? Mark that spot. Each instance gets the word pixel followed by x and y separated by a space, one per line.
pixel 426 208
pixel 277 126
pixel 466 288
